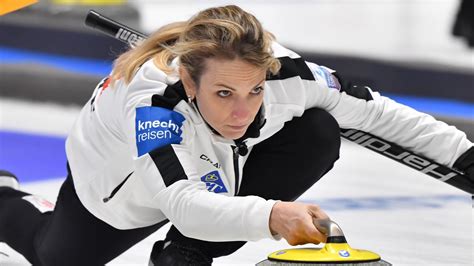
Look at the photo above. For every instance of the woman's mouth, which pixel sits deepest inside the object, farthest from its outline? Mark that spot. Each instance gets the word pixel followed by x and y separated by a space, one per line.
pixel 238 128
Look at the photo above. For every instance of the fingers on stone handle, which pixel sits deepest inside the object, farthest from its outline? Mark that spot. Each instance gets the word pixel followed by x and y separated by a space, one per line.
pixel 317 212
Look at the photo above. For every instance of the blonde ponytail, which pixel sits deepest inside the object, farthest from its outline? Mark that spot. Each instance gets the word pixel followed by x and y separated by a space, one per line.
pixel 155 46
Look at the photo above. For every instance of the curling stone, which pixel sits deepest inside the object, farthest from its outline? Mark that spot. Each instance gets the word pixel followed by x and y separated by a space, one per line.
pixel 336 251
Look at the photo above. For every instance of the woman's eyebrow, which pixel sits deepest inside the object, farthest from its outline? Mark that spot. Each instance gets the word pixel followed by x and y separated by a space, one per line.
pixel 233 89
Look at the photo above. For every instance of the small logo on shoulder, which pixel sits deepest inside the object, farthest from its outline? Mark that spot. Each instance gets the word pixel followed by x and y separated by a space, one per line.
pixel 156 127
pixel 327 76
pixel 214 182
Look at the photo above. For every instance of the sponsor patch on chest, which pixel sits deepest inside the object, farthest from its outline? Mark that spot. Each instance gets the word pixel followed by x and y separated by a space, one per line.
pixel 156 127
pixel 214 182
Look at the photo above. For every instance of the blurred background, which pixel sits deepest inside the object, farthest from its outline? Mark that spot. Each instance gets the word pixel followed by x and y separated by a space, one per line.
pixel 418 52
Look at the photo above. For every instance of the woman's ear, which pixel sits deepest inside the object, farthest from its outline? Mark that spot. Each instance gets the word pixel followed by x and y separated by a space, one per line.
pixel 188 83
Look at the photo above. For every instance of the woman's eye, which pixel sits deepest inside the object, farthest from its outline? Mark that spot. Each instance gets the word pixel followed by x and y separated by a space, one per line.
pixel 257 90
pixel 223 93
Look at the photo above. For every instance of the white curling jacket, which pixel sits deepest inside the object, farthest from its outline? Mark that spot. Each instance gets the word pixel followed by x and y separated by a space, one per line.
pixel 140 153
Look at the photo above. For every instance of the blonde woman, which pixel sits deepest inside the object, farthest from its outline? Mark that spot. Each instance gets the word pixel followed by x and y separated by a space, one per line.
pixel 211 125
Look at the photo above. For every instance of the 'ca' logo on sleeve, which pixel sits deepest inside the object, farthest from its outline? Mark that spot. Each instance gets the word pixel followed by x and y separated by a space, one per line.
pixel 156 127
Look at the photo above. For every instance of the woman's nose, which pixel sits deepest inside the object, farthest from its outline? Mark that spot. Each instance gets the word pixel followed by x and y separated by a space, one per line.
pixel 241 110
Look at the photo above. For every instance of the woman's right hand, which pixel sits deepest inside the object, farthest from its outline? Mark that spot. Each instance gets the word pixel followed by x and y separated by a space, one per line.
pixel 294 222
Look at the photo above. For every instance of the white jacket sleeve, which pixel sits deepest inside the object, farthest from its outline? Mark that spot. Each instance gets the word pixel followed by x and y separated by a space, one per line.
pixel 159 139
pixel 385 118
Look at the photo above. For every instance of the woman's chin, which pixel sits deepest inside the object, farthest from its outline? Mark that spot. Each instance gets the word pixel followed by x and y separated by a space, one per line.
pixel 233 134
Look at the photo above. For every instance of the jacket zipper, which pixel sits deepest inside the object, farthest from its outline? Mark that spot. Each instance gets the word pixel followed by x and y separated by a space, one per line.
pixel 106 199
pixel 235 150
pixel 240 149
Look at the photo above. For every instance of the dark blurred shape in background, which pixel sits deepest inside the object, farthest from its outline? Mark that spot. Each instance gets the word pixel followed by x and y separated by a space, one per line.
pixel 464 24
pixel 55 28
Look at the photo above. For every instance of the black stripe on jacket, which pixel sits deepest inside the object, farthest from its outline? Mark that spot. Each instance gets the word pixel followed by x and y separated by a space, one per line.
pixel 165 157
pixel 292 67
pixel 357 91
pixel 168 164
pixel 171 97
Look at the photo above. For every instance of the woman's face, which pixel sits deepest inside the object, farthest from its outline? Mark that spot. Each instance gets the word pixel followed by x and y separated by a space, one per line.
pixel 229 95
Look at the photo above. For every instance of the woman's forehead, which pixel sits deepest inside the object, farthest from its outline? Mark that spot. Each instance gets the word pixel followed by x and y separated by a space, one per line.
pixel 234 70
